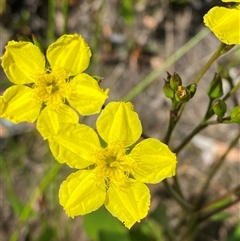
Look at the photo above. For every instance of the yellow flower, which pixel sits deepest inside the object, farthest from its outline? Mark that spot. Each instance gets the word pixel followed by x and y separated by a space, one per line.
pixel 225 23
pixel 56 83
pixel 112 171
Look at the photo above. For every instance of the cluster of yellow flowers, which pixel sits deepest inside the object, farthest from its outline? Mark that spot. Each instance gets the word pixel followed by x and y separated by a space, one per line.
pixel 54 91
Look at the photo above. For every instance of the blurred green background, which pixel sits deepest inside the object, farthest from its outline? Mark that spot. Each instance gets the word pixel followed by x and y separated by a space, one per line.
pixel 129 41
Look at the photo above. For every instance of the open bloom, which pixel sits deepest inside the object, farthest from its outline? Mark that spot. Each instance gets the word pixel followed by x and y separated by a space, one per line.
pixel 56 83
pixel 225 22
pixel 111 171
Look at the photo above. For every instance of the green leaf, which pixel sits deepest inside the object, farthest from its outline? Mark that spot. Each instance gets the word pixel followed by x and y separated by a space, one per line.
pixel 97 224
pixel 146 231
pixel 110 236
pixel 235 235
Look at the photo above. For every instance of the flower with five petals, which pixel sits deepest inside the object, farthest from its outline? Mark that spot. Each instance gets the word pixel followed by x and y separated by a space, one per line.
pixel 55 84
pixel 112 171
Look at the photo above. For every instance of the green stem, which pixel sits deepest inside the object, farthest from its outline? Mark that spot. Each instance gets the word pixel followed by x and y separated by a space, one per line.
pixel 234 192
pixel 199 128
pixel 191 228
pixel 232 91
pixel 173 122
pixel 171 126
pixel 214 170
pixel 217 210
pixel 203 124
pixel 174 116
pixel 185 205
pixel 194 216
pixel 95 43
pixel 51 20
pixel 171 60
pixel 214 57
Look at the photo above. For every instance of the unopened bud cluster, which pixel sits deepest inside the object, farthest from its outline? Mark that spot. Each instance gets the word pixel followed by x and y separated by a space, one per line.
pixel 174 90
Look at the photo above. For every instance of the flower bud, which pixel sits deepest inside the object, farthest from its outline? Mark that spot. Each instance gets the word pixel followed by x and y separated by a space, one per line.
pixel 99 79
pixel 37 42
pixel 169 76
pixel 235 115
pixel 219 107
pixel 23 38
pixel 167 90
pixel 182 94
pixel 215 89
pixel 192 88
pixel 175 81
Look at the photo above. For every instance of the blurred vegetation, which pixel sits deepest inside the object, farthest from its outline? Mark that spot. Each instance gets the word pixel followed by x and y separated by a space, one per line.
pixel 30 177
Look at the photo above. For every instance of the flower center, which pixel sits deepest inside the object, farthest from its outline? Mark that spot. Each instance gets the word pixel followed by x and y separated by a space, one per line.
pixel 52 88
pixel 113 164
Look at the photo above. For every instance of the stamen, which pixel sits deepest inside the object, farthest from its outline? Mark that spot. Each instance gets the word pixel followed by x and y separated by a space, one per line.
pixel 113 164
pixel 51 88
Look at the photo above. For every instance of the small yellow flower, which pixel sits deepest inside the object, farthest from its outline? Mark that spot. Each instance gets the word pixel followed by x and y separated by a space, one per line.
pixel 56 83
pixel 225 22
pixel 112 172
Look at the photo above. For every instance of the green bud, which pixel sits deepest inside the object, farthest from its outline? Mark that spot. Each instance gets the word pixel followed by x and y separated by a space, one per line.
pixel 99 79
pixel 215 89
pixel 235 114
pixel 23 38
pixel 175 81
pixel 182 94
pixel 169 76
pixel 37 42
pixel 192 88
pixel 167 90
pixel 219 107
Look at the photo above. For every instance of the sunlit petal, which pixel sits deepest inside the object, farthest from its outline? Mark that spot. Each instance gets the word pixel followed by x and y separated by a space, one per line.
pixel 19 104
pixel 49 121
pixel 129 203
pixel 119 122
pixel 224 23
pixel 86 95
pixel 230 1
pixel 2 103
pixel 154 160
pixel 81 193
pixel 69 52
pixel 22 61
pixel 74 144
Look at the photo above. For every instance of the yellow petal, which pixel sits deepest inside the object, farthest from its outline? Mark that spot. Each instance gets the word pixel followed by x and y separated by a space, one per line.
pixel 81 193
pixel 49 121
pixel 224 23
pixel 19 104
pixel 75 145
pixel 70 52
pixel 119 122
pixel 2 103
pixel 230 1
pixel 154 161
pixel 128 203
pixel 22 61
pixel 86 95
